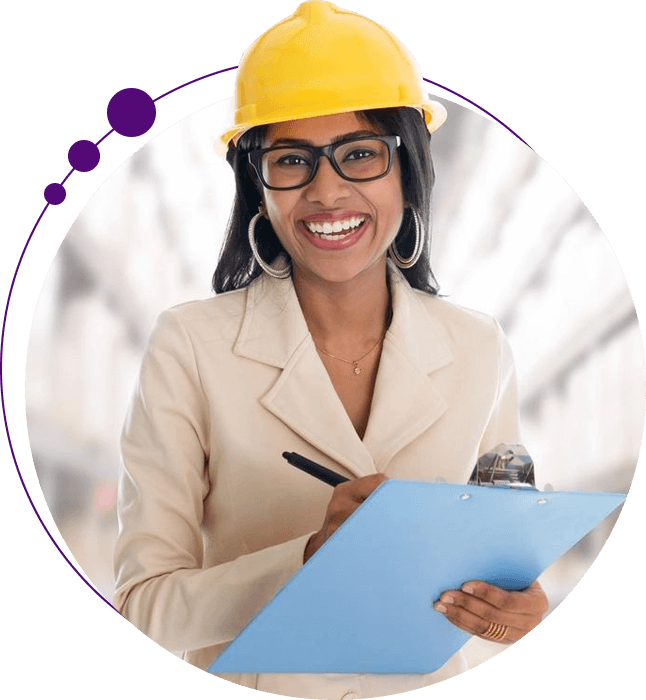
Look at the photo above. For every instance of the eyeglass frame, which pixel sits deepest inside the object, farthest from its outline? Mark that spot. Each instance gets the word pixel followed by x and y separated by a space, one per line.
pixel 255 158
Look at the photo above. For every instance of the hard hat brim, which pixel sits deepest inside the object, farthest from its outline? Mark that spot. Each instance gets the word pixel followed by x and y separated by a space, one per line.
pixel 434 116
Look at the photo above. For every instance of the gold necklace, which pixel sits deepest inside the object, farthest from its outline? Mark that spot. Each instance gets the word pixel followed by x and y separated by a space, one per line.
pixel 355 363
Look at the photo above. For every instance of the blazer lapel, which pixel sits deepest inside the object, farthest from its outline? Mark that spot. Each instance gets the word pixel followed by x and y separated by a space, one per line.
pixel 405 401
pixel 305 400
pixel 274 332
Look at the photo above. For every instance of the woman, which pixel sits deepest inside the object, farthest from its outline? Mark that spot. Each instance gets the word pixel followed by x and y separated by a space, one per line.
pixel 326 338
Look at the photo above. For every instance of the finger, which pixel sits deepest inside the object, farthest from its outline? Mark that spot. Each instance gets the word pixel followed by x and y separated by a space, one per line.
pixel 520 623
pixel 531 601
pixel 358 490
pixel 473 624
pixel 484 611
pixel 349 495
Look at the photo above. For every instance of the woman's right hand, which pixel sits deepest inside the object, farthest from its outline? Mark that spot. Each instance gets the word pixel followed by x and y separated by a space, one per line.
pixel 347 497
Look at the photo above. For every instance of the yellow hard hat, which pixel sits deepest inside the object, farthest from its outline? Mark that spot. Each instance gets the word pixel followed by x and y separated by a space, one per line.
pixel 324 60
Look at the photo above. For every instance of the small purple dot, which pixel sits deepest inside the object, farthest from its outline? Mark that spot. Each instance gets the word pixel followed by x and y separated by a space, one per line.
pixel 55 193
pixel 131 112
pixel 83 156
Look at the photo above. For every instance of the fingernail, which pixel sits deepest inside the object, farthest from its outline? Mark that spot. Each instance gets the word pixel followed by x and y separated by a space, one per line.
pixel 439 607
pixel 468 589
pixel 446 598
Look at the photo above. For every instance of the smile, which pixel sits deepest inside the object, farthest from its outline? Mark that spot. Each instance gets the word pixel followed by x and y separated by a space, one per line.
pixel 334 230
pixel 338 234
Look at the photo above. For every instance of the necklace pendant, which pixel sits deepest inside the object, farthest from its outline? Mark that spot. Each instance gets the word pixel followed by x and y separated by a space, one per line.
pixel 357 370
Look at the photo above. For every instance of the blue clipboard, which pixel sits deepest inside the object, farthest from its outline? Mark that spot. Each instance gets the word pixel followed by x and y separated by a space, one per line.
pixel 363 602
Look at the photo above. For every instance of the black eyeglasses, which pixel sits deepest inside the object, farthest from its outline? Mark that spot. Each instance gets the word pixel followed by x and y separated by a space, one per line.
pixel 356 159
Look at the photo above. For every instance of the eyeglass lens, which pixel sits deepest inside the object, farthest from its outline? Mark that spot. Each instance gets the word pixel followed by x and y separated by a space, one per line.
pixel 362 159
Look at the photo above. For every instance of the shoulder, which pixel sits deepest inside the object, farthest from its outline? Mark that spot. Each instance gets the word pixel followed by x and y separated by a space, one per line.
pixel 458 322
pixel 474 339
pixel 206 321
pixel 476 342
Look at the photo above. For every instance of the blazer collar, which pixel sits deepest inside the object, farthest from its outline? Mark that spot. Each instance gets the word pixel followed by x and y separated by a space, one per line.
pixel 405 401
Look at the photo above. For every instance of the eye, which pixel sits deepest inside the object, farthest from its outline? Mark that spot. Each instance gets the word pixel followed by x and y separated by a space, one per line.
pixel 293 159
pixel 362 153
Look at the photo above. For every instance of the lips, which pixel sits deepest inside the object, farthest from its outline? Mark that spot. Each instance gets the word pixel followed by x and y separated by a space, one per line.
pixel 337 227
pixel 334 233
pixel 332 230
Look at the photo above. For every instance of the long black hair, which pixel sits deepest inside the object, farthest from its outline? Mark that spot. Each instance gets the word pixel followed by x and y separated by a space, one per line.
pixel 237 267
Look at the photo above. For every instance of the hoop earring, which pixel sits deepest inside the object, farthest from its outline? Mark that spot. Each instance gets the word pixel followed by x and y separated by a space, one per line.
pixel 417 251
pixel 279 273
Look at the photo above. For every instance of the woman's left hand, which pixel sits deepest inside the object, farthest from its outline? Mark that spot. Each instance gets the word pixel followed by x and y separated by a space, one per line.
pixel 479 607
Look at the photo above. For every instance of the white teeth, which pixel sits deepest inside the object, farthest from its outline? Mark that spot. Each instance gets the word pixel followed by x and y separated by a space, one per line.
pixel 324 229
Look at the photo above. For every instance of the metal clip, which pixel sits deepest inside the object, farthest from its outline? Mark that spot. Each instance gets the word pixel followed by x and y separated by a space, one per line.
pixel 506 466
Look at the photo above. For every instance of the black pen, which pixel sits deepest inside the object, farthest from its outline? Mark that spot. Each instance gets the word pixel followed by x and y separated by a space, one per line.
pixel 314 469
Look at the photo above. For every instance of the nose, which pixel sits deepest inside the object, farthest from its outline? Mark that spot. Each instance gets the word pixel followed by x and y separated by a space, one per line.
pixel 328 186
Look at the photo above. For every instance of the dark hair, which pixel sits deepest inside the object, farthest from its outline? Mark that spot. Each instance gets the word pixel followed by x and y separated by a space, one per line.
pixel 237 268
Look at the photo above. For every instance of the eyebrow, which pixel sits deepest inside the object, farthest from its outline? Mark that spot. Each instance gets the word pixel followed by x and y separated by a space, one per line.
pixel 284 141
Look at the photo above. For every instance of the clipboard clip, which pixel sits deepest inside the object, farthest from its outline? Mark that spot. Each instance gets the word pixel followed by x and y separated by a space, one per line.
pixel 506 466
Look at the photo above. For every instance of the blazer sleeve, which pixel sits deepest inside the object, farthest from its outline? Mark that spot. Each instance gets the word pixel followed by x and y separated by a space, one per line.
pixel 161 585
pixel 504 424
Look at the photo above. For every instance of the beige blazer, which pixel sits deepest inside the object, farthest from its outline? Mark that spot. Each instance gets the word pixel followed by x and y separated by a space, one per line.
pixel 213 521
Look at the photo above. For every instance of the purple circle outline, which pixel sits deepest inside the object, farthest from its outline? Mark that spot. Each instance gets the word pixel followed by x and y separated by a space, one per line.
pixel 13 282
pixel 482 109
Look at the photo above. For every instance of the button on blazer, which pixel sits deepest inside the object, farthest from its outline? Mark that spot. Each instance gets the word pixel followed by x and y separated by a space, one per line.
pixel 213 521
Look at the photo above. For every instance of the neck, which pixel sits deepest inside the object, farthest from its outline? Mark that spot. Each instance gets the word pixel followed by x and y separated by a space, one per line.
pixel 345 316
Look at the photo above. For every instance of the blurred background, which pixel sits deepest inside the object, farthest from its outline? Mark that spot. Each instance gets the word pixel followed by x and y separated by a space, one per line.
pixel 510 238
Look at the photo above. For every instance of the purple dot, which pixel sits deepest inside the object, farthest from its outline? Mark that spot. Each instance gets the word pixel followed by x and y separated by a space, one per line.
pixel 83 156
pixel 131 112
pixel 55 193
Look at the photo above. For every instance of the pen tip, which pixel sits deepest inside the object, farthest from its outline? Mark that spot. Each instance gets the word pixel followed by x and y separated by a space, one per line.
pixel 287 455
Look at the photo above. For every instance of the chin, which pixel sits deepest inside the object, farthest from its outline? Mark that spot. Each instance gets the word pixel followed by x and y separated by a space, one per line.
pixel 342 271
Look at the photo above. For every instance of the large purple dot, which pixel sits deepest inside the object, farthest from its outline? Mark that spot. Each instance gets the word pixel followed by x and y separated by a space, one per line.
pixel 55 193
pixel 131 112
pixel 83 156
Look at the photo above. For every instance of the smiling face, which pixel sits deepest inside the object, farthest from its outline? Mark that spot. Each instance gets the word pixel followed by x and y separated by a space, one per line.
pixel 333 229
